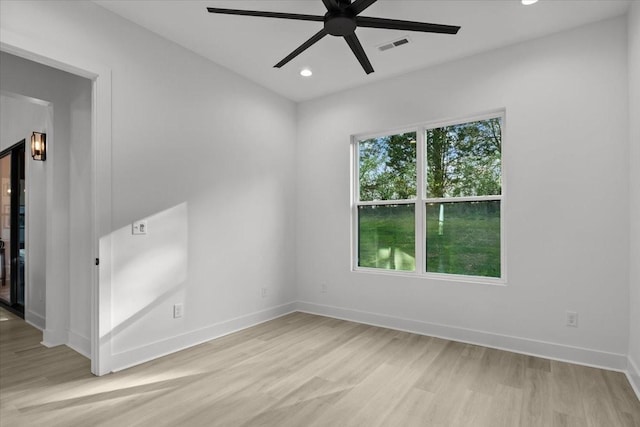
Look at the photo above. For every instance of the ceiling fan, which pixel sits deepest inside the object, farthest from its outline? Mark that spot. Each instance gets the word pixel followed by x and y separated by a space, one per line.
pixel 341 20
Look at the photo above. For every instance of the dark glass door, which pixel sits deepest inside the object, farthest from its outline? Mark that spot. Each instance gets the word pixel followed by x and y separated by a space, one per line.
pixel 12 227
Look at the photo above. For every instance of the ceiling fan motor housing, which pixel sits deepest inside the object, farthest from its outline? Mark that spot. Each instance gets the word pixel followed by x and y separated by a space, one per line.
pixel 340 23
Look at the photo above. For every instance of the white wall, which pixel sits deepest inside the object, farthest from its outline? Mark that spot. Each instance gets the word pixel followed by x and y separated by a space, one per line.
pixel 565 154
pixel 207 158
pixel 19 116
pixel 66 194
pixel 634 156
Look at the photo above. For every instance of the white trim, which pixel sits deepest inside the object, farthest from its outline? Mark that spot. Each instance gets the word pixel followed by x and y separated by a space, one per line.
pixel 25 98
pixel 387 202
pixel 53 338
pixel 503 189
pixel 451 278
pixel 548 350
pixel 388 132
pixel 53 55
pixel 354 196
pixel 176 343
pixel 34 319
pixel 497 197
pixel 79 343
pixel 102 226
pixel 447 121
pixel 490 114
pixel 633 375
pixel 47 52
pixel 420 208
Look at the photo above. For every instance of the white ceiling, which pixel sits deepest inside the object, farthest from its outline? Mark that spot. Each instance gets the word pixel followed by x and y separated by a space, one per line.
pixel 251 46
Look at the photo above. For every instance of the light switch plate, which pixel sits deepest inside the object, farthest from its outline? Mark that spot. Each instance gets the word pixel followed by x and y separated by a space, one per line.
pixel 178 311
pixel 572 319
pixel 139 227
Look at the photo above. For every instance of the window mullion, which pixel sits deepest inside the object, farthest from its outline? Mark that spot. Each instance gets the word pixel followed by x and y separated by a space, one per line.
pixel 419 207
pixel 355 156
pixel 386 202
pixel 463 199
pixel 355 235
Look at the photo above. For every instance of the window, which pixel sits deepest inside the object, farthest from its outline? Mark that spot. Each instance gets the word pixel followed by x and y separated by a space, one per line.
pixel 429 200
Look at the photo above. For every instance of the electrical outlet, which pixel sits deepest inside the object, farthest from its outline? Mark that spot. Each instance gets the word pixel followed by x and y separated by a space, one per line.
pixel 323 288
pixel 178 311
pixel 139 227
pixel 264 292
pixel 572 319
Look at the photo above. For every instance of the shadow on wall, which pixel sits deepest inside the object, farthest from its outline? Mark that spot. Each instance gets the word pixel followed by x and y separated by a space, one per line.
pixel 149 274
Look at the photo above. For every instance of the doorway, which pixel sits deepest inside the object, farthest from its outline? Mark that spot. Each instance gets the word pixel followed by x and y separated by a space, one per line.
pixel 12 227
pixel 39 49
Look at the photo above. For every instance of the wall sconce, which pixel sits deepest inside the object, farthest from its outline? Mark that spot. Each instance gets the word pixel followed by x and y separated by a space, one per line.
pixel 39 146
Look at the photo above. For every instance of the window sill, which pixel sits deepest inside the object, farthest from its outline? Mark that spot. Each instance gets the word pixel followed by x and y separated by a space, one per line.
pixel 456 278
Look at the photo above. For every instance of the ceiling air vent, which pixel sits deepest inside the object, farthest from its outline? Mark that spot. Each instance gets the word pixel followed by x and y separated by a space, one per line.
pixel 395 43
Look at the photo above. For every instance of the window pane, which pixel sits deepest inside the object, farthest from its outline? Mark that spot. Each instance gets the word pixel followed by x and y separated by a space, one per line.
pixel 386 237
pixel 387 167
pixel 464 160
pixel 464 238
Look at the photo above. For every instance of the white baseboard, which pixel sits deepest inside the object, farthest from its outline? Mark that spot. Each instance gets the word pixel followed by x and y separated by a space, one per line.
pixel 561 352
pixel 35 320
pixel 53 338
pixel 79 343
pixel 633 375
pixel 126 359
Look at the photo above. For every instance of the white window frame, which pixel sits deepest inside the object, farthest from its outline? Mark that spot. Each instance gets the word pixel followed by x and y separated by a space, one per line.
pixel 421 201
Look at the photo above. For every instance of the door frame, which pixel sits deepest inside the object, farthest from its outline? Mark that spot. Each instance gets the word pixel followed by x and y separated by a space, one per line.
pixel 50 53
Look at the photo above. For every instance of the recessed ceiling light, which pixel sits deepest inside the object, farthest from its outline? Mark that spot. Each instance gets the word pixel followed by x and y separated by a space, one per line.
pixel 305 72
pixel 528 2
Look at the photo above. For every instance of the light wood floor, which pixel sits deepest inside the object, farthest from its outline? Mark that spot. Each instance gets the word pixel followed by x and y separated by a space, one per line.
pixel 305 370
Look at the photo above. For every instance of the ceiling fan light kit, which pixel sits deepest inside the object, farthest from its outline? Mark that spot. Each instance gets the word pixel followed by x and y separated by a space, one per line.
pixel 341 20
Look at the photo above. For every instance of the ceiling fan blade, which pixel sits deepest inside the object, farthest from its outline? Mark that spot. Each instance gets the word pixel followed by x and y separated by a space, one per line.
pixel 295 16
pixel 304 46
pixel 360 5
pixel 358 51
pixel 395 24
pixel 331 4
